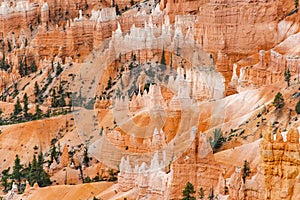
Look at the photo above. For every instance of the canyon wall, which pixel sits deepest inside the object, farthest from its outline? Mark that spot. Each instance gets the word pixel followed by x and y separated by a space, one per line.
pixel 280 157
pixel 163 181
pixel 269 66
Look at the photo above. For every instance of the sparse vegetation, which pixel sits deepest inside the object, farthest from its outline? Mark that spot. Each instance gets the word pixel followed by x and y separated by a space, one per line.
pixel 211 195
pixel 34 173
pixel 287 76
pixel 216 143
pixel 278 101
pixel 297 108
pixel 86 158
pixel 201 193
pixel 246 170
pixel 188 192
pixel 117 10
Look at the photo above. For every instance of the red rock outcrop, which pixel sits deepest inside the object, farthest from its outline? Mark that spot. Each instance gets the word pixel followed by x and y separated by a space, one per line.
pixel 196 165
pixel 281 165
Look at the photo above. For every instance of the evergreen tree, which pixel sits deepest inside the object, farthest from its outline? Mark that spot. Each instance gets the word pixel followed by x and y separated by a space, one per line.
pixel 18 107
pixel 16 91
pixel 44 178
pixel 201 193
pixel 61 101
pixel 188 191
pixel 49 78
pixel 37 173
pixel 36 91
pixel 163 64
pixel 287 76
pixel 5 178
pixel 53 153
pixel 60 89
pixel 54 102
pixel 131 2
pixel 118 10
pixel 278 101
pixel 33 175
pixel 171 63
pixel 9 49
pixel 3 64
pixel 59 69
pixel 218 140
pixel 17 170
pixel 297 108
pixel 25 67
pixel 163 58
pixel 25 101
pixel 33 67
pixel 246 170
pixel 211 195
pixel 109 84
pixel 21 68
pixel 112 176
pixel 38 112
pixel 86 158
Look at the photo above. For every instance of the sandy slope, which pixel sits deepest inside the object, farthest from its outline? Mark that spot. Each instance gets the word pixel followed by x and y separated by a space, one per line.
pixel 67 192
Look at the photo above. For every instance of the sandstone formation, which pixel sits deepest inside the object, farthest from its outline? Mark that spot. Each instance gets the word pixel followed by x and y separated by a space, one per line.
pixel 162 181
pixel 281 165
pixel 149 83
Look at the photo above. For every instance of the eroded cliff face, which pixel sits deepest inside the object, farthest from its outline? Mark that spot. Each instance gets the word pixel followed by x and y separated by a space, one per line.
pixel 232 30
pixel 281 165
pixel 215 48
pixel 267 67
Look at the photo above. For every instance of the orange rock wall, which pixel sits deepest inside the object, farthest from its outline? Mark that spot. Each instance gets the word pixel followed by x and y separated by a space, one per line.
pixel 281 165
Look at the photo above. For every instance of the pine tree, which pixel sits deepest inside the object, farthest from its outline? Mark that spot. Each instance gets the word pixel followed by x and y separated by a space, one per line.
pixel 112 176
pixel 36 91
pixel 287 76
pixel 163 64
pixel 109 84
pixel 38 112
pixel 54 102
pixel 37 173
pixel 25 101
pixel 61 101
pixel 9 49
pixel 211 195
pixel 18 107
pixel 163 58
pixel 21 68
pixel 278 101
pixel 118 10
pixel 44 178
pixel 33 175
pixel 53 153
pixel 86 158
pixel 201 193
pixel 17 170
pixel 33 67
pixel 246 170
pixel 59 69
pixel 131 2
pixel 25 67
pixel 218 140
pixel 297 108
pixel 5 178
pixel 188 191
